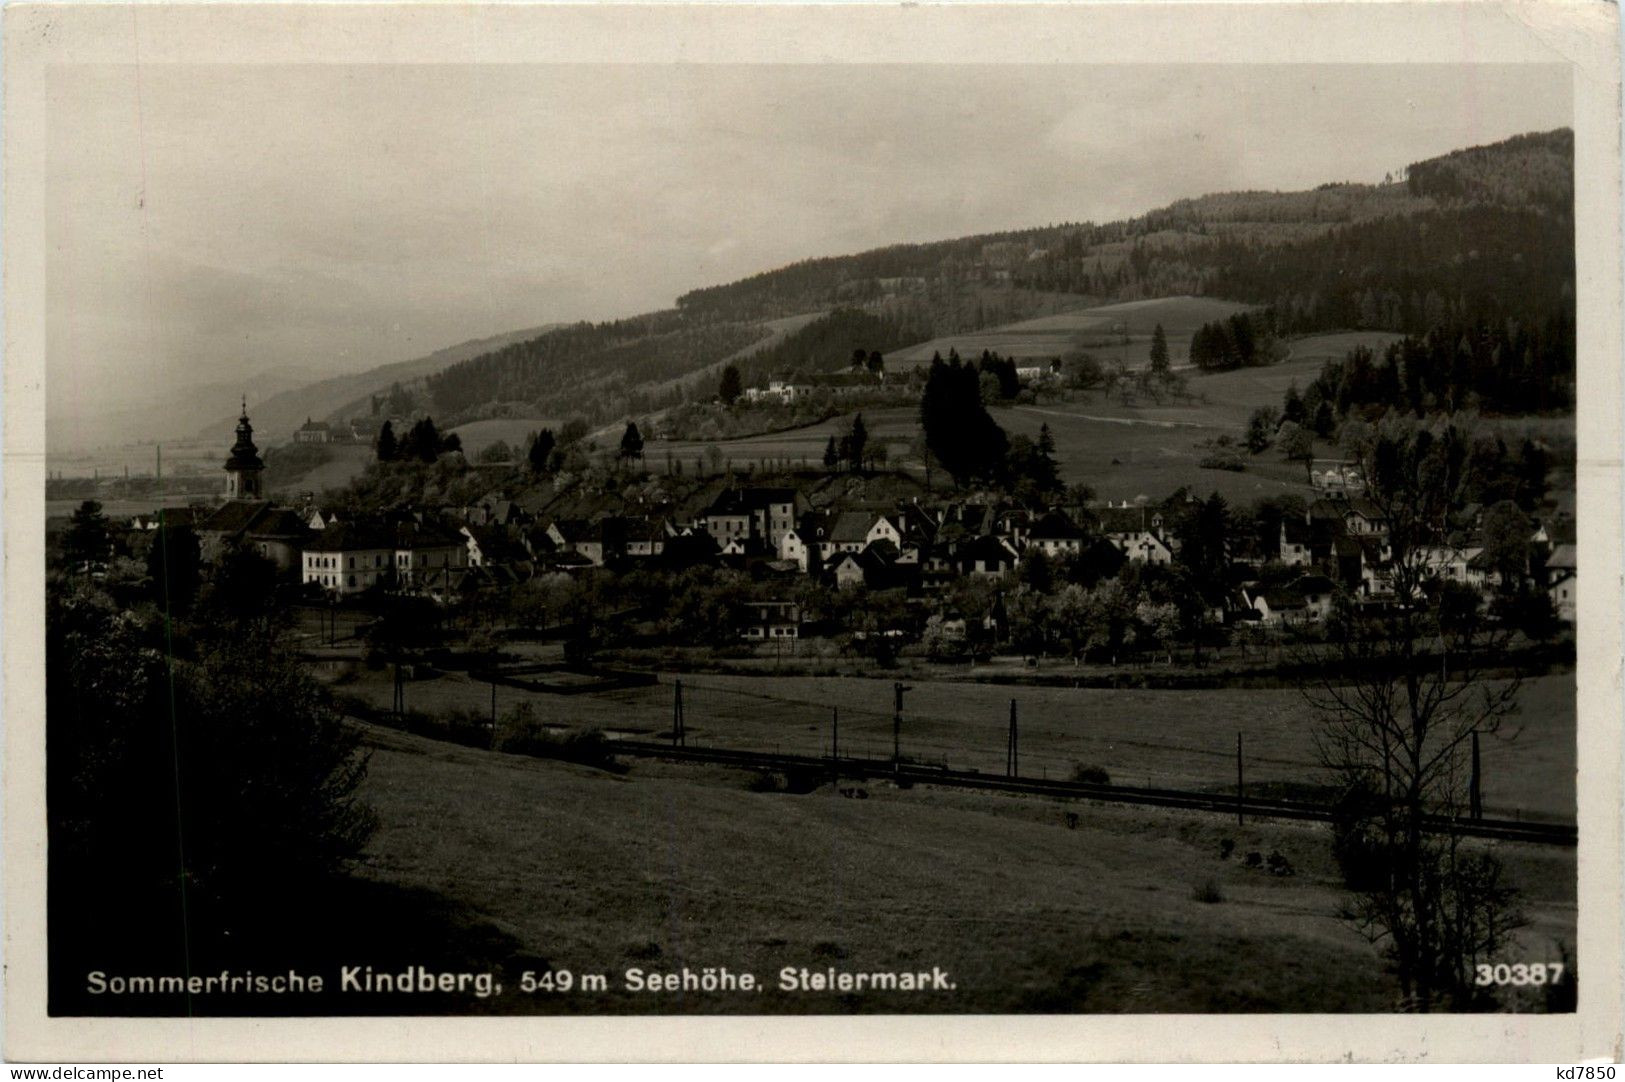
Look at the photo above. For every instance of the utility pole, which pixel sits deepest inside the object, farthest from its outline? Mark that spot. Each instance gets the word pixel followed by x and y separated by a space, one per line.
pixel 678 737
pixel 897 725
pixel 1475 795
pixel 1011 763
pixel 1241 790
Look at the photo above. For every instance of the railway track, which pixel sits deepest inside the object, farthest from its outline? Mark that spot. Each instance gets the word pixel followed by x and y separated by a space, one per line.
pixel 1225 804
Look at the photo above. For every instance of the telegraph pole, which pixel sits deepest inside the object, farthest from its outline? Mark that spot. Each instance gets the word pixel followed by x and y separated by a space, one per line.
pixel 1241 791
pixel 897 725
pixel 1012 765
pixel 678 737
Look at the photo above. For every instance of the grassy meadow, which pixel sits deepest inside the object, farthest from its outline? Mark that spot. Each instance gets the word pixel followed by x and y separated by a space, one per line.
pixel 548 865
pixel 1174 739
pixel 1100 330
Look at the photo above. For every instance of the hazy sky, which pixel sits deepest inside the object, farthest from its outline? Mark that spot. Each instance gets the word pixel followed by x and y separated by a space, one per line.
pixel 209 222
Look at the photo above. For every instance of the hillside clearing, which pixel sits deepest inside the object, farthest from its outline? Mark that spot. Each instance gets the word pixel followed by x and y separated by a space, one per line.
pixel 1099 330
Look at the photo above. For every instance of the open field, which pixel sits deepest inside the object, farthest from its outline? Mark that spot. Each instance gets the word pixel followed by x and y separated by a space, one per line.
pixel 895 427
pixel 1100 330
pixel 1122 451
pixel 675 865
pixel 1172 739
pixel 347 463
pixel 516 431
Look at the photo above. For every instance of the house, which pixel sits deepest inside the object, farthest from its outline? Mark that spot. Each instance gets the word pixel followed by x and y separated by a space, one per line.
pixel 1562 584
pixel 767 621
pixel 1277 607
pixel 848 533
pixel 985 556
pixel 1453 563
pixel 601 542
pixel 1318 593
pixel 644 538
pixel 280 535
pixel 229 523
pixel 778 390
pixel 765 514
pixel 1365 519
pixel 867 567
pixel 1296 539
pixel 801 545
pixel 314 432
pixel 491 546
pixel 1055 535
pixel 1336 477
pixel 1143 548
pixel 349 557
pixel 424 547
pixel 1137 532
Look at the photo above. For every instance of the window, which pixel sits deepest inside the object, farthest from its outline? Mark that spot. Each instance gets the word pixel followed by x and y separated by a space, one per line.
pixel 352 580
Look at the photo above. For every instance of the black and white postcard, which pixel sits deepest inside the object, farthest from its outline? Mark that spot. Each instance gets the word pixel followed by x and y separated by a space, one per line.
pixel 1027 532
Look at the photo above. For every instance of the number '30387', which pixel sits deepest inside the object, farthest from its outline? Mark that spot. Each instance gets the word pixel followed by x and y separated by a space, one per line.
pixel 1519 973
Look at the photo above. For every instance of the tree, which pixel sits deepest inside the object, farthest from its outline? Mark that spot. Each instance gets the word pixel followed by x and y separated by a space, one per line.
pixel 217 735
pixel 1261 428
pixel 173 563
pixel 1297 444
pixel 496 453
pixel 857 444
pixel 541 451
pixel 631 443
pixel 731 386
pixel 1160 364
pixel 959 431
pixel 876 363
pixel 386 448
pixel 1400 694
pixel 832 456
pixel 1292 408
pixel 1507 544
pixel 87 543
pixel 1204 555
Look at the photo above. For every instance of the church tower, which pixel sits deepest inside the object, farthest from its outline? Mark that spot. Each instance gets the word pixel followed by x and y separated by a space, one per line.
pixel 244 467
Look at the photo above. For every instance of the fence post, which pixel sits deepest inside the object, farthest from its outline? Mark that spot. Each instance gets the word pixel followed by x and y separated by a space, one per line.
pixel 1241 790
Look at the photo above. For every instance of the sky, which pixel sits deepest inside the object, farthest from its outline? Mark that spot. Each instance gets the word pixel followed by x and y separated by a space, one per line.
pixel 219 223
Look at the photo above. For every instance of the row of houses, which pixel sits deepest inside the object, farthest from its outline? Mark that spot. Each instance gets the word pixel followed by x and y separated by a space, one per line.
pixel 1338 544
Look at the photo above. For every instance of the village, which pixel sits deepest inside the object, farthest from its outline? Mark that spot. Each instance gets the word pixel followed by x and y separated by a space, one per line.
pixel 800 564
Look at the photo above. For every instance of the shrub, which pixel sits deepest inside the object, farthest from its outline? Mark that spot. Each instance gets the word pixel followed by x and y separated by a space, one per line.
pixel 588 747
pixel 1208 893
pixel 1089 772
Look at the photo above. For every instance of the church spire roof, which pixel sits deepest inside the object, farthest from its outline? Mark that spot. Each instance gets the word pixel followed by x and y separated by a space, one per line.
pixel 244 455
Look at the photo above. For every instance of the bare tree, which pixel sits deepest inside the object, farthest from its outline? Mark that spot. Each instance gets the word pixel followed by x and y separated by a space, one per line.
pixel 1401 690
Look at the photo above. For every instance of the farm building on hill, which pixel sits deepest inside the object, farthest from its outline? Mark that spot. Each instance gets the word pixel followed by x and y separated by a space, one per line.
pixel 314 432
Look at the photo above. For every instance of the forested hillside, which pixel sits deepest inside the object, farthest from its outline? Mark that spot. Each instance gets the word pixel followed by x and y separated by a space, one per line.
pixel 1478 237
pixel 586 366
pixel 1476 234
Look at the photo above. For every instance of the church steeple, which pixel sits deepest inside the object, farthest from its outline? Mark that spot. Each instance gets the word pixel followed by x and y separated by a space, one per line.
pixel 244 467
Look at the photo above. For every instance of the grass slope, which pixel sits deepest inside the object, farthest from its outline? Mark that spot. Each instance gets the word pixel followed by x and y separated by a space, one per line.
pixel 675 866
pixel 546 865
pixel 1100 330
